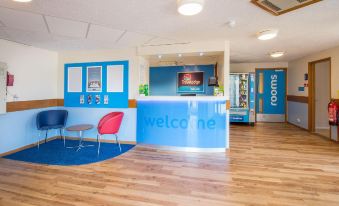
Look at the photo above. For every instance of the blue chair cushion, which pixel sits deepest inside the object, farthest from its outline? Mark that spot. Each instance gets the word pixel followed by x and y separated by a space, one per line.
pixel 51 119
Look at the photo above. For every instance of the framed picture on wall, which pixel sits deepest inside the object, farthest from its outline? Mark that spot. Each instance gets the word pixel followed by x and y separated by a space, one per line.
pixel 94 79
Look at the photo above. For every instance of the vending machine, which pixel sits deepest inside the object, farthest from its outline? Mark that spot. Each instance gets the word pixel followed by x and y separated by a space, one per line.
pixel 242 98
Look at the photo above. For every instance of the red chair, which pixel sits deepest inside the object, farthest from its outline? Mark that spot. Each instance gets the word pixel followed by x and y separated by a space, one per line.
pixel 110 124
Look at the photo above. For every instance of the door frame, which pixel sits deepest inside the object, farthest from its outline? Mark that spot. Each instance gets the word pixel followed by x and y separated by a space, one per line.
pixel 311 91
pixel 286 87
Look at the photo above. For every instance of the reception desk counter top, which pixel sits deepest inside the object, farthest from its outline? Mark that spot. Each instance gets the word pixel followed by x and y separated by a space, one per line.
pixel 194 123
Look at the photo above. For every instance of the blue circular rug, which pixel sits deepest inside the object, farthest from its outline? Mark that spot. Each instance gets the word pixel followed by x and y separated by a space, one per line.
pixel 54 153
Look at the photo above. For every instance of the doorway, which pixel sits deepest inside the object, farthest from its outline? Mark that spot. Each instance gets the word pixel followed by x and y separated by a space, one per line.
pixel 319 96
pixel 271 95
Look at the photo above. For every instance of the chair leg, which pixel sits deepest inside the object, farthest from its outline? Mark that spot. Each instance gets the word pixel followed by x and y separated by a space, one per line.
pixel 46 136
pixel 39 134
pixel 98 138
pixel 63 136
pixel 116 137
pixel 60 134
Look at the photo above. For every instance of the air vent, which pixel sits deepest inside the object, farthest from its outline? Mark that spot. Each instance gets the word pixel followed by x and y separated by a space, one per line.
pixel 278 7
pixel 271 6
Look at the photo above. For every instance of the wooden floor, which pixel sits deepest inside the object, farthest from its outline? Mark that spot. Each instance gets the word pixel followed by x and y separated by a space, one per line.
pixel 270 164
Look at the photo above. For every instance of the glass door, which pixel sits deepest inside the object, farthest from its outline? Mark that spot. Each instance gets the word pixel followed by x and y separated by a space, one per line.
pixel 239 91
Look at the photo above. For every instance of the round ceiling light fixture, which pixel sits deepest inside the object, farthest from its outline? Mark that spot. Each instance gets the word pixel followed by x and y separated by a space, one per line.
pixel 267 34
pixel 190 7
pixel 277 54
pixel 23 1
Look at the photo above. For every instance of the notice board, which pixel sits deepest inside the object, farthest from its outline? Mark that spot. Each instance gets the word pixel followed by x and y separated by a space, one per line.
pixel 96 84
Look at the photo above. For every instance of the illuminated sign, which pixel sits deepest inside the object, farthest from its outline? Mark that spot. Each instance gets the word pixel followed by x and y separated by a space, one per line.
pixel 190 82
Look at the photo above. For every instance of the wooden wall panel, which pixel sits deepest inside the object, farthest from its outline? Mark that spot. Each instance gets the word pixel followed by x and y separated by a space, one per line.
pixel 33 104
pixel 60 102
pixel 294 98
pixel 132 103
pixel 228 104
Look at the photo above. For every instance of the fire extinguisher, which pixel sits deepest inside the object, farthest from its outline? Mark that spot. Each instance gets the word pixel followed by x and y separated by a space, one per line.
pixel 333 112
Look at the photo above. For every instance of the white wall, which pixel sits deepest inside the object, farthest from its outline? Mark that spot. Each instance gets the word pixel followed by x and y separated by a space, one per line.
pixel 250 67
pixel 99 56
pixel 35 71
pixel 297 68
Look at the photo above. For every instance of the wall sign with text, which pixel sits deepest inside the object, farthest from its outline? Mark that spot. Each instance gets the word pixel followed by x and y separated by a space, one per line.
pixel 190 82
pixel 271 93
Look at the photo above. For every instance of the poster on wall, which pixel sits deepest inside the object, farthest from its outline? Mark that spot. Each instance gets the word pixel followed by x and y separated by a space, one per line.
pixel 190 82
pixel 94 79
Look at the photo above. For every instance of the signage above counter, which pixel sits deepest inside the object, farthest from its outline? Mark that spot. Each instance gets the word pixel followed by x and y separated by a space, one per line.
pixel 190 82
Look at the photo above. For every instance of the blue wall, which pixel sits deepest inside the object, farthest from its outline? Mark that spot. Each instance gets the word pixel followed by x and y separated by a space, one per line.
pixel 18 129
pixel 163 80
pixel 298 114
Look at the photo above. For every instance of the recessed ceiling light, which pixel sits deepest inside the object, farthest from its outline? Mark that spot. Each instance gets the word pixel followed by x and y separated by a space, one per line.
pixel 159 56
pixel 201 54
pixel 277 54
pixel 190 7
pixel 179 55
pixel 267 34
pixel 23 1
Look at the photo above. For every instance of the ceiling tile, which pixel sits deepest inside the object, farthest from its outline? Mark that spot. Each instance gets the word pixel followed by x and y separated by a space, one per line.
pixel 101 33
pixel 66 27
pixel 28 37
pixel 130 39
pixel 22 20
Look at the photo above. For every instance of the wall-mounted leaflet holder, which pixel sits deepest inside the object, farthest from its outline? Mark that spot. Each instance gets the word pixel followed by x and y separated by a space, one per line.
pixel 10 79
pixel 82 99
pixel 97 99
pixel 106 99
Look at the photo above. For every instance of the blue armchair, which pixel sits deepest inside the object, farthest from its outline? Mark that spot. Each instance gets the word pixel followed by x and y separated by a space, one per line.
pixel 51 119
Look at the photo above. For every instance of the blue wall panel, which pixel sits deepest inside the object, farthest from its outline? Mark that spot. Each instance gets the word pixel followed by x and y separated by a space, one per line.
pixel 163 80
pixel 18 129
pixel 116 99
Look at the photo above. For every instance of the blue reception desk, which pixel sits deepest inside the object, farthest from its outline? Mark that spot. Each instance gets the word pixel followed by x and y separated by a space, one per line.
pixel 183 123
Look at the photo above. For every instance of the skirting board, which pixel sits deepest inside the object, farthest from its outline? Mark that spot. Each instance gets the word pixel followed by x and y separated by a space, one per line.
pixel 58 137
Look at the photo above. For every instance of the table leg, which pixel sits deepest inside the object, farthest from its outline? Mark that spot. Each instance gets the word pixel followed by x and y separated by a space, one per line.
pixel 81 144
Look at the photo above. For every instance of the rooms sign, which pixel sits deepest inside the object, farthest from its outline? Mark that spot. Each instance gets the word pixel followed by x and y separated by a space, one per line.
pixel 190 82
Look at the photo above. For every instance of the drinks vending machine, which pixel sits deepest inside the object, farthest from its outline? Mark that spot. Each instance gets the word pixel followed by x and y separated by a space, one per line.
pixel 242 98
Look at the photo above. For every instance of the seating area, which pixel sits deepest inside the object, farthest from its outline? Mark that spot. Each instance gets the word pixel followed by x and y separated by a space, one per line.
pixel 57 119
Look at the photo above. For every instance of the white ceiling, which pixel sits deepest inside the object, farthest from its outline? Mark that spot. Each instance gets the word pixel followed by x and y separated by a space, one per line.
pixel 111 24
